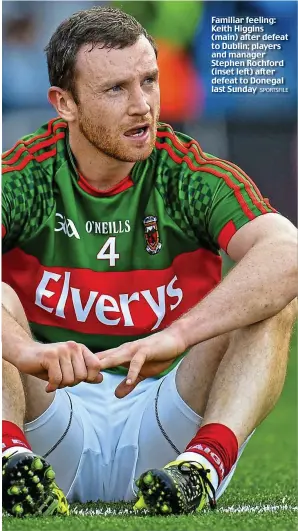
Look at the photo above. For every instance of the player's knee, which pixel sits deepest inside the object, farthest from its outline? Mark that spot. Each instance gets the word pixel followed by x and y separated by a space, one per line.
pixel 12 303
pixel 288 315
pixel 10 299
pixel 280 323
pixel 10 374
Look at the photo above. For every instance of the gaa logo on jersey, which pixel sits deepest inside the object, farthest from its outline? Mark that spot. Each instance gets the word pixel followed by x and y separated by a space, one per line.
pixel 152 235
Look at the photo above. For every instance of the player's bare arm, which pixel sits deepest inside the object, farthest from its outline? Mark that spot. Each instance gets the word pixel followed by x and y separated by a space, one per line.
pixel 61 364
pixel 251 292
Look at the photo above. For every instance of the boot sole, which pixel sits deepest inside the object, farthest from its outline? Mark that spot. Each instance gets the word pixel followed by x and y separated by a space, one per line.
pixel 160 493
pixel 28 486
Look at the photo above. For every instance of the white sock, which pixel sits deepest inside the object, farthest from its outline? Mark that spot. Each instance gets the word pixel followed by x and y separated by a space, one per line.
pixel 16 449
pixel 198 458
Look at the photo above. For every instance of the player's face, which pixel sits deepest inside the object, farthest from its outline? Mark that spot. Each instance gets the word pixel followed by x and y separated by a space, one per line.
pixel 119 99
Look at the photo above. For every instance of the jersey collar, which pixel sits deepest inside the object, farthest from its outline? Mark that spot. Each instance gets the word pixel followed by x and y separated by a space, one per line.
pixel 123 185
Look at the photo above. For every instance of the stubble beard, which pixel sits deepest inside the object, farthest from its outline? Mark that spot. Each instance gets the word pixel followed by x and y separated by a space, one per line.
pixel 110 142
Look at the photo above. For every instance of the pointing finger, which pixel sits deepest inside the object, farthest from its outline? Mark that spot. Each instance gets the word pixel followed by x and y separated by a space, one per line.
pixel 135 367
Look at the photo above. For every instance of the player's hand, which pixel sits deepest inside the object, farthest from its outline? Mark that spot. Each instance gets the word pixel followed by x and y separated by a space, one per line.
pixel 145 358
pixel 61 364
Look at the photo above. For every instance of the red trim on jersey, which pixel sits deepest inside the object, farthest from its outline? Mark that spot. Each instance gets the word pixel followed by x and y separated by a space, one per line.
pixel 48 132
pixel 37 147
pixel 201 158
pixel 126 183
pixel 233 186
pixel 3 231
pixel 71 298
pixel 26 160
pixel 226 234
pixel 267 202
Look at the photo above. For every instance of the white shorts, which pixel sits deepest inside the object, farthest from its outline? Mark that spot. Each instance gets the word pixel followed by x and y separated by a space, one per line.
pixel 99 444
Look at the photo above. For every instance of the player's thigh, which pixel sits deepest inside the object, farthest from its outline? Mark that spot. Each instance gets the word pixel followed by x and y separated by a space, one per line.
pixel 64 434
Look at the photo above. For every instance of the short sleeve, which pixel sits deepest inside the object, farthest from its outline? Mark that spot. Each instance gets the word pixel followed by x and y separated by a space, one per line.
pixel 27 200
pixel 208 197
pixel 236 201
pixel 233 200
pixel 14 214
pixel 28 171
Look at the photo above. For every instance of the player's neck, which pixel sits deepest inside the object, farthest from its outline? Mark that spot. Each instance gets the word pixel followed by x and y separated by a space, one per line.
pixel 99 170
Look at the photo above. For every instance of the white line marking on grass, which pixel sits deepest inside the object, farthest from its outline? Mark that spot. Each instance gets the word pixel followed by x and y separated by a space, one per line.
pixel 105 511
pixel 108 511
pixel 257 508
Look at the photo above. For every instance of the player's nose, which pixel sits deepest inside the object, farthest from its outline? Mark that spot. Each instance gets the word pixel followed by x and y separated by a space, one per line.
pixel 138 103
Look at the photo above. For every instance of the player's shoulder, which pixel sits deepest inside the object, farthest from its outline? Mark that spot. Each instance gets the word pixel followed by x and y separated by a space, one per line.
pixel 174 149
pixel 37 154
pixel 184 156
pixel 181 179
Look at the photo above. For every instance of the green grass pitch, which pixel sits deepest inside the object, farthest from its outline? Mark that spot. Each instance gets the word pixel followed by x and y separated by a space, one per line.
pixel 262 495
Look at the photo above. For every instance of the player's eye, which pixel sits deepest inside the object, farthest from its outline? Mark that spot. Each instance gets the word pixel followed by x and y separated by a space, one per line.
pixel 115 88
pixel 149 80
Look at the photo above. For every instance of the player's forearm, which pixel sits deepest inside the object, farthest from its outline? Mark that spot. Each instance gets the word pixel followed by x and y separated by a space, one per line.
pixel 258 287
pixel 14 338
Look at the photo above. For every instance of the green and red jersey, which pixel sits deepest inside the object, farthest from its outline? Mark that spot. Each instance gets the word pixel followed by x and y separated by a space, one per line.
pixel 103 268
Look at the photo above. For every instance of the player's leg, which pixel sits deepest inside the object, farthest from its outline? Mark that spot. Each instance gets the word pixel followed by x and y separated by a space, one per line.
pixel 67 428
pixel 246 386
pixel 251 376
pixel 28 485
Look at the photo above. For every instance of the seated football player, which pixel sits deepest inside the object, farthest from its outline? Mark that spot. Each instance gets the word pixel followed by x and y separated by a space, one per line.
pixel 130 368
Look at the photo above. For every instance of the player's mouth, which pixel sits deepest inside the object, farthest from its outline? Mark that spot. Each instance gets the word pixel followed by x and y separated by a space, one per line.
pixel 140 133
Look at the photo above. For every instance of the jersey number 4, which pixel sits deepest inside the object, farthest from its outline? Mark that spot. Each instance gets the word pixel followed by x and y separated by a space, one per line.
pixel 108 251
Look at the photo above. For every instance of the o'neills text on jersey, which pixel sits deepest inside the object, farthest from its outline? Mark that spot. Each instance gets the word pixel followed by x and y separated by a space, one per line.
pixel 108 227
pixel 109 310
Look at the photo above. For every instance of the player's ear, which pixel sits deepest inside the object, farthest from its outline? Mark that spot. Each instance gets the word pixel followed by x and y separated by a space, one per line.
pixel 63 102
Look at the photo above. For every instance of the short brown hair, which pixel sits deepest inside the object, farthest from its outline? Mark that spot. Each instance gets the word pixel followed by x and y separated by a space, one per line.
pixel 103 27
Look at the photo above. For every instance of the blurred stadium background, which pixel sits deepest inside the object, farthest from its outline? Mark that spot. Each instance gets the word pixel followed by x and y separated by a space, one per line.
pixel 257 132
